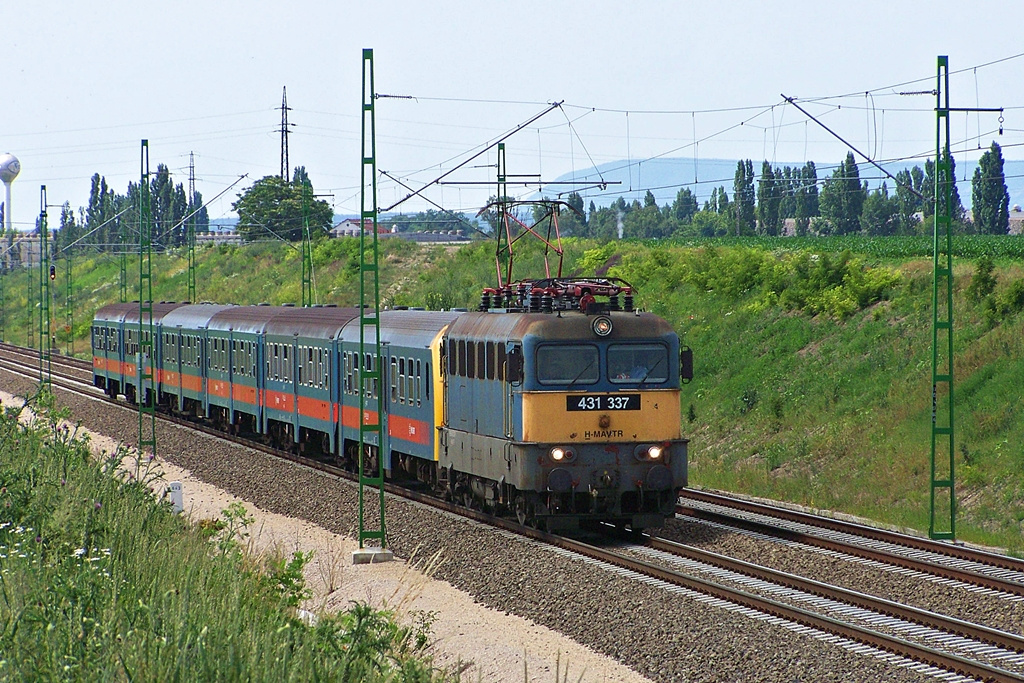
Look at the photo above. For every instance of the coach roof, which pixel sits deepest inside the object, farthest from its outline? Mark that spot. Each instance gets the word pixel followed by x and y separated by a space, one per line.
pixel 317 322
pixel 193 316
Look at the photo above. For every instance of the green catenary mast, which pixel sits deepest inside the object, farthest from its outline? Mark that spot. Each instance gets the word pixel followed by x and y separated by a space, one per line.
pixel 371 427
pixel 44 292
pixel 942 510
pixel 146 362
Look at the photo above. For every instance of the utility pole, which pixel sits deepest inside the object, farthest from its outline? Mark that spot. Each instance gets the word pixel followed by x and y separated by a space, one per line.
pixel 146 360
pixel 307 251
pixel 69 302
pixel 942 511
pixel 190 239
pixel 122 238
pixel 284 134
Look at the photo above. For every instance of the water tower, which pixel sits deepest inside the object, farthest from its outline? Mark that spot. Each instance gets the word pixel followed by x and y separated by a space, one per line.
pixel 10 167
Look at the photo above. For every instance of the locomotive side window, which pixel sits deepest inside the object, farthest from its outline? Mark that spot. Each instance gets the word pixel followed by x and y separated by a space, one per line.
pixel 500 364
pixel 471 360
pixel 426 381
pixel 481 360
pixel 567 364
pixel 632 363
pixel 462 358
pixel 490 360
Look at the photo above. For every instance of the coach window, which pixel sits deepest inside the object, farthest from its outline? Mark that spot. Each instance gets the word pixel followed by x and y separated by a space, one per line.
pixel 407 379
pixel 394 379
pixel 327 370
pixel 419 381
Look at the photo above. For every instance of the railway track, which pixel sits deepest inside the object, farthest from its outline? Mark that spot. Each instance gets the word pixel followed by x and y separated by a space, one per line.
pixel 947 648
pixel 986 570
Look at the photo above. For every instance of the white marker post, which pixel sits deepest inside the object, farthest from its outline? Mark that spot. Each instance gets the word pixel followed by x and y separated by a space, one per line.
pixel 174 489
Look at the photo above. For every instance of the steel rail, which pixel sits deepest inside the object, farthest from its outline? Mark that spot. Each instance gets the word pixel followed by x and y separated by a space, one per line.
pixel 911 542
pixel 1003 639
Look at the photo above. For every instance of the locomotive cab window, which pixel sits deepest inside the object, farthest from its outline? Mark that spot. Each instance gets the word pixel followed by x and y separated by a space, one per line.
pixel 632 363
pixel 567 364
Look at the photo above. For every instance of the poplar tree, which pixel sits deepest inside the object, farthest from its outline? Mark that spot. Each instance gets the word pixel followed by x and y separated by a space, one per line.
pixel 990 200
pixel 805 197
pixel 768 199
pixel 743 198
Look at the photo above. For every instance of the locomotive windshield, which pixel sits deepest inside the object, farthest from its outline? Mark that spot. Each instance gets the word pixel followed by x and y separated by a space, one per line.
pixel 567 364
pixel 631 363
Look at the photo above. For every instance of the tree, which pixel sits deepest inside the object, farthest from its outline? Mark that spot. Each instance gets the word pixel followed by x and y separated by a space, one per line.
pixel 990 200
pixel 805 197
pixel 300 177
pixel 68 231
pixel 685 205
pixel 928 189
pixel 273 207
pixel 768 200
pixel 842 198
pixel 201 219
pixel 743 198
pixel 879 215
pixel 718 202
pixel 907 203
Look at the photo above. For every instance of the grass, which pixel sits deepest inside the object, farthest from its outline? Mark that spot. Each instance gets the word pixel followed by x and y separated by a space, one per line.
pixel 100 581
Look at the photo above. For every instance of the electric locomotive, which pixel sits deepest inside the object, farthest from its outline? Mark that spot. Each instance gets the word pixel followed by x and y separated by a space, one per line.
pixel 565 409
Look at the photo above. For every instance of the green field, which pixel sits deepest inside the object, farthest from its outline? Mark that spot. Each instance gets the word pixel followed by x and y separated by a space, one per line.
pixel 812 356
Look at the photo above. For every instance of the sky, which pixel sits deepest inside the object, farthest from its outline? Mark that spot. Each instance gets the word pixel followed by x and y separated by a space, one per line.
pixel 84 83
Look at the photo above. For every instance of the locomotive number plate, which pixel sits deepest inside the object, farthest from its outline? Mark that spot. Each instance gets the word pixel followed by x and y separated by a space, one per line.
pixel 603 402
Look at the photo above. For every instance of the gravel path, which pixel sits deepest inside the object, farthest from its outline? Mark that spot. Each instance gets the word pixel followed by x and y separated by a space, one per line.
pixel 666 637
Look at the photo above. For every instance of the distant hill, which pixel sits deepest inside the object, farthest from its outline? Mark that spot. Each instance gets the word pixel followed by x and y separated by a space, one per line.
pixel 664 177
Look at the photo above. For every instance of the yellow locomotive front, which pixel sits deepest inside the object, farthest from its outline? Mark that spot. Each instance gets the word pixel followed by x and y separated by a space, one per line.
pixel 600 421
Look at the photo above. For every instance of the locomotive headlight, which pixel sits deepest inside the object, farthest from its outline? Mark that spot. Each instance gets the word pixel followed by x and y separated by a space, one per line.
pixel 561 454
pixel 602 326
pixel 651 452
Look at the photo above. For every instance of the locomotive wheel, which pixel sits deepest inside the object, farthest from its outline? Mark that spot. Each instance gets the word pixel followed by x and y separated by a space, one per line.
pixel 526 513
pixel 522 514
